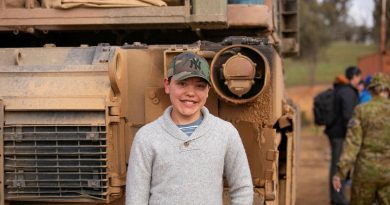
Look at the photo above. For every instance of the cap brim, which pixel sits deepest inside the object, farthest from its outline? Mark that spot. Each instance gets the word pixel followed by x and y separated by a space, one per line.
pixel 190 76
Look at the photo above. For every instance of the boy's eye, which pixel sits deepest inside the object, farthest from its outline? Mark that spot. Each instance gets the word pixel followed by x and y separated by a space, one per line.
pixel 181 83
pixel 201 85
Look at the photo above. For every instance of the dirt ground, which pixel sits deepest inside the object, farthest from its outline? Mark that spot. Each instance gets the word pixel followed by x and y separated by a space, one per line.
pixel 314 155
pixel 313 170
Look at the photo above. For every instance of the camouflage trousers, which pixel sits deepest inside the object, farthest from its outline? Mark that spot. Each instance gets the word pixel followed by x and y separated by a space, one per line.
pixel 366 193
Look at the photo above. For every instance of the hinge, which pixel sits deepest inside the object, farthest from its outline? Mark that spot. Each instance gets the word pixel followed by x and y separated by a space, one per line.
pixel 269 190
pixel 117 181
pixel 285 121
pixel 115 119
pixel 114 108
pixel 113 112
pixel 272 155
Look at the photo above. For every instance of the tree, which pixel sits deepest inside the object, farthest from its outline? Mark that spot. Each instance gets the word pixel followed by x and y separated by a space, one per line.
pixel 377 20
pixel 314 34
pixel 335 14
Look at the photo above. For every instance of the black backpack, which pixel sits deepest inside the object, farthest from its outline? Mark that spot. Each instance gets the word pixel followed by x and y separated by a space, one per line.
pixel 324 107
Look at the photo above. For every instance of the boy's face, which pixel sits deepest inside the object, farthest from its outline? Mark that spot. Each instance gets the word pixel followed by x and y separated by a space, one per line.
pixel 187 97
pixel 356 79
pixel 360 87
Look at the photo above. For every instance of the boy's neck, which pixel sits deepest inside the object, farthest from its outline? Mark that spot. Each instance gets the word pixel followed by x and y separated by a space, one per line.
pixel 183 120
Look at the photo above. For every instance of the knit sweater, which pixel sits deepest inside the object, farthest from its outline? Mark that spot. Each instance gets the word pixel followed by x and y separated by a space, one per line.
pixel 166 167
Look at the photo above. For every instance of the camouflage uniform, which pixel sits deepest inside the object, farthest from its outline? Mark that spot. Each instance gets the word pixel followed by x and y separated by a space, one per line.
pixel 367 150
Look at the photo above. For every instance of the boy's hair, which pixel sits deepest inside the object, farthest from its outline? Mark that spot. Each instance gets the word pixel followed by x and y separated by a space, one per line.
pixel 352 71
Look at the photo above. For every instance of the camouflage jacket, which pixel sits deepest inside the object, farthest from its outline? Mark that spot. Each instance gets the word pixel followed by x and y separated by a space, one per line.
pixel 367 145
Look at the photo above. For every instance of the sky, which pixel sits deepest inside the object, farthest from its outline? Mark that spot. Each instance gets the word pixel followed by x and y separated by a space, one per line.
pixel 361 12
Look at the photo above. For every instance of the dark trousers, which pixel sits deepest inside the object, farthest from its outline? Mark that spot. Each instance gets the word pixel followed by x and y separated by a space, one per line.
pixel 336 145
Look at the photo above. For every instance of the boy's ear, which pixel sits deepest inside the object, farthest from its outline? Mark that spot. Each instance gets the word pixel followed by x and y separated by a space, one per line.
pixel 166 85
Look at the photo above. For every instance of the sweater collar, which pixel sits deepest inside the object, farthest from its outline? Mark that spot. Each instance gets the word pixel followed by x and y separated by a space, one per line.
pixel 173 130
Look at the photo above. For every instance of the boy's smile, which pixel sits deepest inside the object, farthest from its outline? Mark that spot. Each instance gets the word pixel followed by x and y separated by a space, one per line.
pixel 187 97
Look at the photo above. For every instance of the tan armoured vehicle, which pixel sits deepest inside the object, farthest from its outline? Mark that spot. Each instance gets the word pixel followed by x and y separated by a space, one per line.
pixel 78 78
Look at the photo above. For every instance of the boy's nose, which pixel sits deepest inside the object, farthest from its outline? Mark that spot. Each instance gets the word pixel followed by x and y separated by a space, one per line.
pixel 190 90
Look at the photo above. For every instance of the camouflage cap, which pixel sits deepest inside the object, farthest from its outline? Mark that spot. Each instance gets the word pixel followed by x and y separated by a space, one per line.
pixel 379 79
pixel 187 65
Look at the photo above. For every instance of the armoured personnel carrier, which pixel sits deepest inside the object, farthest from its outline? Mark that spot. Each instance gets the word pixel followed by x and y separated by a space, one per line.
pixel 78 78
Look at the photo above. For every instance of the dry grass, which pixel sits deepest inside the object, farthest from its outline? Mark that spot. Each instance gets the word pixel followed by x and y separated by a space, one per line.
pixel 332 62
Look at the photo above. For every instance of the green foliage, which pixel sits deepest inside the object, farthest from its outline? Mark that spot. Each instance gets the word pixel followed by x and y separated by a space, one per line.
pixel 335 14
pixel 314 34
pixel 322 22
pixel 331 63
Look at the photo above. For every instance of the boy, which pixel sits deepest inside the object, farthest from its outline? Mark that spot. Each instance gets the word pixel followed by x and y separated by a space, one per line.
pixel 181 158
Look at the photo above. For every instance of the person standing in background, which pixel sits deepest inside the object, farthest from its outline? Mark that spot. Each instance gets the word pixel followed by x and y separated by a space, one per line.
pixel 365 95
pixel 367 148
pixel 346 98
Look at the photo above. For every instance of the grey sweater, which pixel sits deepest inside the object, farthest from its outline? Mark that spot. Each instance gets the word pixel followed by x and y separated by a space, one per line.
pixel 166 167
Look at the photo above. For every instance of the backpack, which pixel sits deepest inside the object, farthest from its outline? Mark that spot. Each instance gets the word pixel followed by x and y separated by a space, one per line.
pixel 324 107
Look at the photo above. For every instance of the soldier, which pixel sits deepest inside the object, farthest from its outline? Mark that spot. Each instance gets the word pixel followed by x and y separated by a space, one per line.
pixel 367 148
pixel 181 157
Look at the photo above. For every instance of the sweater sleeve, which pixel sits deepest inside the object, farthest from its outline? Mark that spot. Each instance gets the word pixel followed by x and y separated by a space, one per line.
pixel 138 173
pixel 237 172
